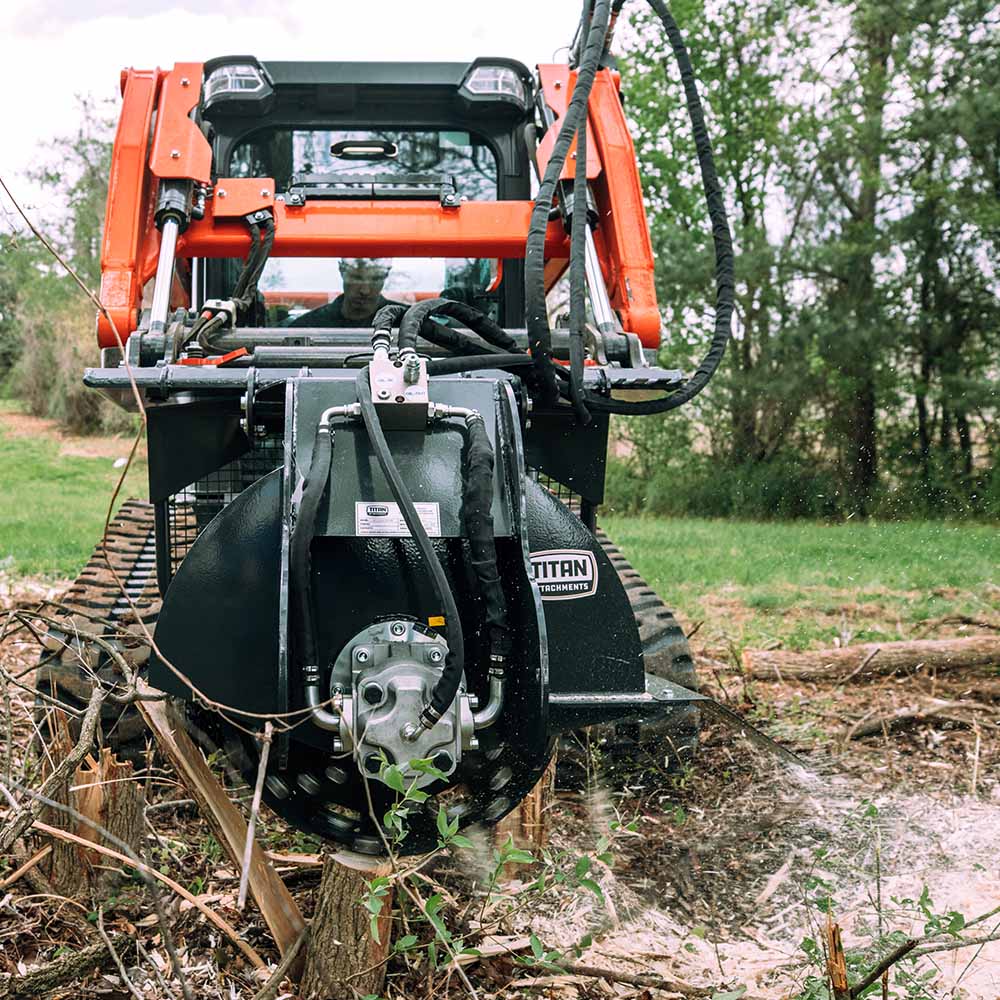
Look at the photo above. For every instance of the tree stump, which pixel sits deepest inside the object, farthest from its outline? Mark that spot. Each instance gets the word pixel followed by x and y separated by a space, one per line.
pixel 344 961
pixel 528 824
pixel 104 791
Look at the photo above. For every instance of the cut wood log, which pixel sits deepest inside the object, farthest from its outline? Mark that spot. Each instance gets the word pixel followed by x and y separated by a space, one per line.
pixel 68 970
pixel 344 960
pixel 872 659
pixel 279 909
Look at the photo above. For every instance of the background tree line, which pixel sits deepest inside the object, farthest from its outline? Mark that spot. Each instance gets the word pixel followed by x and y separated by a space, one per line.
pixel 859 145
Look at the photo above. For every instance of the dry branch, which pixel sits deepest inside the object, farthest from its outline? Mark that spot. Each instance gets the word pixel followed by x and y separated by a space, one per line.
pixel 221 923
pixel 23 816
pixel 279 909
pixel 925 708
pixel 27 866
pixel 884 659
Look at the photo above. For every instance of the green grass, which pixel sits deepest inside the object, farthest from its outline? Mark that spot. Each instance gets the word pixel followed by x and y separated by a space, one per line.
pixel 52 507
pixel 799 582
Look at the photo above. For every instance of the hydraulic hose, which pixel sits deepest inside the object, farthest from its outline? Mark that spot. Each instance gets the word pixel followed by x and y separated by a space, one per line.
pixel 389 316
pixel 452 340
pixel 578 277
pixel 477 509
pixel 536 313
pixel 724 282
pixel 300 568
pixel 477 512
pixel 478 362
pixel 451 677
pixel 413 323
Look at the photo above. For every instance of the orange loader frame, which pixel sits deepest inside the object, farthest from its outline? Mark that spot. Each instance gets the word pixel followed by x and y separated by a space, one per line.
pixel 157 140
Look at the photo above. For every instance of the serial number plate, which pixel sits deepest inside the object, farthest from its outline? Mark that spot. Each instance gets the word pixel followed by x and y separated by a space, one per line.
pixel 377 519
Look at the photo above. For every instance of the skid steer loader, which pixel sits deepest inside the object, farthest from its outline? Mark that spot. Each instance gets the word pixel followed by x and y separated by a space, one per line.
pixel 374 460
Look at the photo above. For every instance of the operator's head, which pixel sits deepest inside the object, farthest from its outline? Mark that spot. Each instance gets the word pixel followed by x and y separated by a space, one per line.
pixel 363 281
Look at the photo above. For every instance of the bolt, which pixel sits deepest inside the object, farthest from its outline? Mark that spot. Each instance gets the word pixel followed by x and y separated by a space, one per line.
pixel 410 732
pixel 398 628
pixel 373 763
pixel 264 193
pixel 185 82
pixel 338 745
pixel 175 154
pixel 558 84
pixel 473 742
pixel 383 394
pixel 435 655
pixel 372 693
pixel 221 192
pixel 443 761
pixel 361 654
pixel 400 399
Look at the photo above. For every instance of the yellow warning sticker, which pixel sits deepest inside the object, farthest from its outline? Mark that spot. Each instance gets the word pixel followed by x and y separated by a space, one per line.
pixel 436 621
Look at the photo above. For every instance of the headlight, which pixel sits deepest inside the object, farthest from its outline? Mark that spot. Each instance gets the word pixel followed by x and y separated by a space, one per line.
pixel 497 81
pixel 237 84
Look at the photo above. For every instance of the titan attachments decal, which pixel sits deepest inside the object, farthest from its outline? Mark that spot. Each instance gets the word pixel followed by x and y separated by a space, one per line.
pixel 565 574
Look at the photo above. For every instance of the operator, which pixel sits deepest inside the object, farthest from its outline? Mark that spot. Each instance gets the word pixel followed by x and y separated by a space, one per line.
pixel 361 298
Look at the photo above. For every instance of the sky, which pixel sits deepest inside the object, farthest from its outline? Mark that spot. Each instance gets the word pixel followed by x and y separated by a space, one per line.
pixel 54 50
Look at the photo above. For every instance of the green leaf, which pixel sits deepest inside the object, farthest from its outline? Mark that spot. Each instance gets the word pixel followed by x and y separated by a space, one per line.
pixel 516 856
pixel 589 883
pixel 442 823
pixel 406 942
pixel 393 777
pixel 460 840
pixel 536 946
pixel 582 866
pixel 730 994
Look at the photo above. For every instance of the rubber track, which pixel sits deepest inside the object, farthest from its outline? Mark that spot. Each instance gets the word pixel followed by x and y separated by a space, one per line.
pixel 95 605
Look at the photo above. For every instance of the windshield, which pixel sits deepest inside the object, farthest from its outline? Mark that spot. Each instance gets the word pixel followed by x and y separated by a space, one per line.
pixel 346 292
pixel 284 153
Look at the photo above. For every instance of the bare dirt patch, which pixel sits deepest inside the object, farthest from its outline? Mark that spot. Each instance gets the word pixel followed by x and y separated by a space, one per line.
pixel 23 425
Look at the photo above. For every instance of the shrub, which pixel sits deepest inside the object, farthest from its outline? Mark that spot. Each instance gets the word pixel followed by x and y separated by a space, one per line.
pixel 48 376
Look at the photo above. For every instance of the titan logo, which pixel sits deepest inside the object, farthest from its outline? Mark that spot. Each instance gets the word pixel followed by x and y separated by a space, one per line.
pixel 377 510
pixel 564 574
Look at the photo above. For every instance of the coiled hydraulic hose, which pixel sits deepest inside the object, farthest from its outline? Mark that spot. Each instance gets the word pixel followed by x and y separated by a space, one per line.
pixel 721 236
pixel 578 277
pixel 536 312
pixel 451 677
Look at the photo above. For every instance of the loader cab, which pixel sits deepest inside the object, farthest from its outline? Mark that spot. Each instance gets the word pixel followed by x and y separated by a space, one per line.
pixel 373 133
